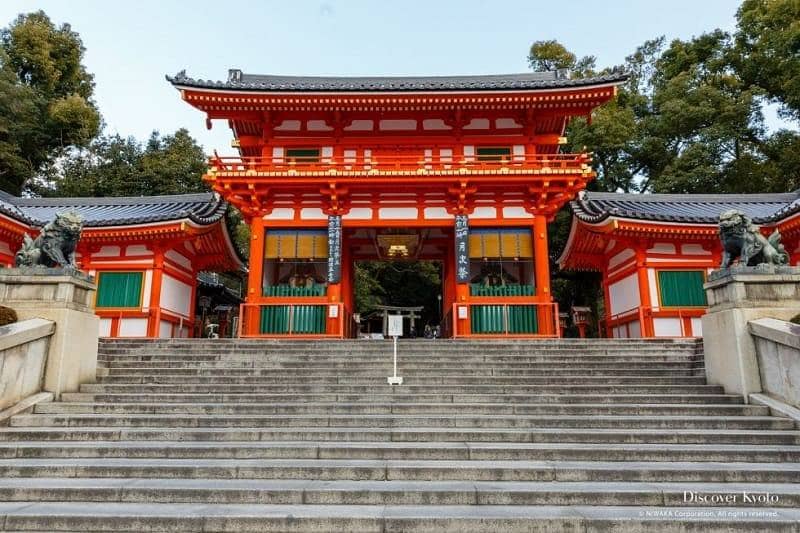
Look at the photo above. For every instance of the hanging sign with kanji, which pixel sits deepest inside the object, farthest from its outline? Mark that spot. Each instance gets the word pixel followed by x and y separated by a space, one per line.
pixel 334 248
pixel 462 249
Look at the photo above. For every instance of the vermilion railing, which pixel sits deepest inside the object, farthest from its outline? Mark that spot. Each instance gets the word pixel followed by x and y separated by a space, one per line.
pixel 294 320
pixel 399 162
pixel 494 318
pixel 646 313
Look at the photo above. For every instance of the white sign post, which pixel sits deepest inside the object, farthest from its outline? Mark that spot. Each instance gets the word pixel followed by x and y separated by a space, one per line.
pixel 395 330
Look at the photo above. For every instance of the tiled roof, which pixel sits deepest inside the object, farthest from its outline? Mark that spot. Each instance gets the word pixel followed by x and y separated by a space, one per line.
pixel 203 209
pixel 495 82
pixel 593 207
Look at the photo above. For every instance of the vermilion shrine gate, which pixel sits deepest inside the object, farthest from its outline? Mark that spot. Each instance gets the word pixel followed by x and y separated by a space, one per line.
pixel 465 170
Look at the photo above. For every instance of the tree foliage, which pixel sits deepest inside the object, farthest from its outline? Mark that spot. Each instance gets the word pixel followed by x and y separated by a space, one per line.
pixel 117 166
pixel 768 49
pixel 45 98
pixel 400 283
pixel 691 117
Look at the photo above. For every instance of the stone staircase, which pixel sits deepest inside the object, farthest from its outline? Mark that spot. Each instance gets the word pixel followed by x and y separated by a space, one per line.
pixel 551 435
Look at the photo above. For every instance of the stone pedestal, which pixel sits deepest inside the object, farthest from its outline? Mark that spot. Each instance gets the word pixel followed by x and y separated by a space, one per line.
pixel 66 298
pixel 735 297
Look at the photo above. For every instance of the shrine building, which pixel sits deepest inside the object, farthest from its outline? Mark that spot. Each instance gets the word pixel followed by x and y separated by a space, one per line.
pixel 144 252
pixel 466 170
pixel 655 250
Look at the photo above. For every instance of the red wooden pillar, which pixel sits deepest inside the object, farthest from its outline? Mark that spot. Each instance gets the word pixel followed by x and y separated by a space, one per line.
pixel 448 292
pixel 251 315
pixel 336 290
pixel 607 307
pixel 154 316
pixel 541 258
pixel 645 309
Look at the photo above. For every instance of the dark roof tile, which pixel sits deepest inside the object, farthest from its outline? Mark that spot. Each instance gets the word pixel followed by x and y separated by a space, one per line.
pixel 203 209
pixel 494 82
pixel 595 207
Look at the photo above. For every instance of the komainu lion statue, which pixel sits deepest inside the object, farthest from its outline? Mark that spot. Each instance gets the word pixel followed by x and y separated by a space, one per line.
pixel 743 240
pixel 55 245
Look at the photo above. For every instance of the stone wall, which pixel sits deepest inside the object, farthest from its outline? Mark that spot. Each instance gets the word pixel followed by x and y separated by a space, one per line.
pixel 23 358
pixel 778 351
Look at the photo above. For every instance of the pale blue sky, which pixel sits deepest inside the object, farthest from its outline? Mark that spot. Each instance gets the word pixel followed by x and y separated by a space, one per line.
pixel 131 45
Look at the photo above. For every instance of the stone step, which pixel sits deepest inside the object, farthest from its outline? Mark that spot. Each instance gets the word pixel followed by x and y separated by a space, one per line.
pixel 533 368
pixel 297 388
pixel 466 421
pixel 229 408
pixel 380 379
pixel 86 516
pixel 421 359
pixel 313 492
pixel 557 451
pixel 333 434
pixel 408 470
pixel 165 397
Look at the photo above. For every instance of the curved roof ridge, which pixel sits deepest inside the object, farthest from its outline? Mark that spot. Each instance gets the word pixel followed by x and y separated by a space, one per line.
pixel 594 207
pixel 692 198
pixel 237 80
pixel 111 200
pixel 202 208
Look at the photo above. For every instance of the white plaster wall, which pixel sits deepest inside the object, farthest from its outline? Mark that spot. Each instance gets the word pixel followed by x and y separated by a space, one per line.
pixel 176 295
pixel 289 125
pixel 280 213
pixel 516 212
pixel 397 125
pixel 358 213
pixel 652 286
pixel 437 213
pixel 138 249
pixel 434 124
pixel 105 327
pixel 694 249
pixel 360 125
pixel 484 212
pixel 108 251
pixel 148 285
pixel 165 330
pixel 662 248
pixel 478 124
pixel 401 213
pixel 179 259
pixel 505 123
pixel 318 125
pixel 697 327
pixel 312 213
pixel 667 327
pixel 624 294
pixel 635 329
pixel 133 327
pixel 620 257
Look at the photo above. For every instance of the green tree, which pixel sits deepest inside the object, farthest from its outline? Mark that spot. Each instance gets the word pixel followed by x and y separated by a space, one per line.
pixel 117 166
pixel 552 55
pixel 45 98
pixel 400 283
pixel 768 43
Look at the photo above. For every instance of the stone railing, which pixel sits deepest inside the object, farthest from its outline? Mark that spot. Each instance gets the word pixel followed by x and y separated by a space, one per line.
pixel 778 351
pixel 23 358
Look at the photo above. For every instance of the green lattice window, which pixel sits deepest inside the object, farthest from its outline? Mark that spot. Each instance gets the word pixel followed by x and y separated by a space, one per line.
pixel 682 288
pixel 303 155
pixel 493 153
pixel 119 289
